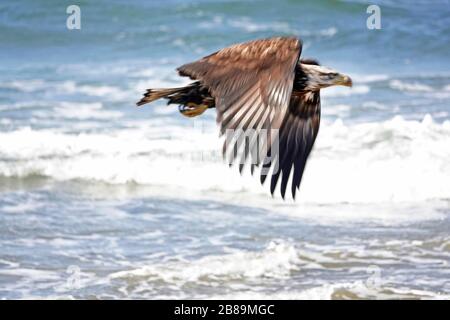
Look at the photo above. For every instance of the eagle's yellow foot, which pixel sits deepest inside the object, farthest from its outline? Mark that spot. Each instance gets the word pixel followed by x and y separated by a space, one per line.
pixel 192 109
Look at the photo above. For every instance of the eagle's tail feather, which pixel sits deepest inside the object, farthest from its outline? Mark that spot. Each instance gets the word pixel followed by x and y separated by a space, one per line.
pixel 155 94
pixel 192 99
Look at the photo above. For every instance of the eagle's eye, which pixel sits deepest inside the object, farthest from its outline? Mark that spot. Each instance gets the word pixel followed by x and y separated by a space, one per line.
pixel 332 75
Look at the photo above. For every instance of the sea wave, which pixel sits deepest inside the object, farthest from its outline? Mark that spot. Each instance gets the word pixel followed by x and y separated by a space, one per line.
pixel 66 87
pixel 78 111
pixel 246 272
pixel 343 290
pixel 344 92
pixel 368 78
pixel 250 274
pixel 394 160
pixel 248 25
pixel 277 260
pixel 409 86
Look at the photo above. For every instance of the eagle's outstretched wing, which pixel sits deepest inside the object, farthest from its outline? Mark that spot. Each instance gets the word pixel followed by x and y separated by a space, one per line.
pixel 252 85
pixel 296 139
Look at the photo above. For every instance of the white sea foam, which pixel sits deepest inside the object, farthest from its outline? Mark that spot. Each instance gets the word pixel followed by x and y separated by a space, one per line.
pixel 245 272
pixel 396 160
pixel 78 111
pixel 20 207
pixel 343 290
pixel 336 110
pixel 276 261
pixel 235 273
pixel 67 87
pixel 25 105
pixel 30 273
pixel 24 85
pixel 375 105
pixel 248 25
pixel 368 78
pixel 344 92
pixel 409 86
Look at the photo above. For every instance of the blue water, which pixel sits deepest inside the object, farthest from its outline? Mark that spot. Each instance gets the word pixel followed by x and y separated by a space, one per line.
pixel 100 199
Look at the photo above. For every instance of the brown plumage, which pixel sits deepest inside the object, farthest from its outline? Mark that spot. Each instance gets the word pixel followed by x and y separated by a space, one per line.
pixel 259 87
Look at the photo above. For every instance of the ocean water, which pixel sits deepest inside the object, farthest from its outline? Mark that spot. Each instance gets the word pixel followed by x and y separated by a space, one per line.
pixel 100 199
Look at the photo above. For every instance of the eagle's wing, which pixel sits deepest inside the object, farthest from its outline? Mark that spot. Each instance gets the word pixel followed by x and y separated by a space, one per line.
pixel 297 135
pixel 247 78
pixel 252 86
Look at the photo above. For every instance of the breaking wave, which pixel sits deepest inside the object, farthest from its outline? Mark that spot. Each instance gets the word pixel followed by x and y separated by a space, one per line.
pixel 394 160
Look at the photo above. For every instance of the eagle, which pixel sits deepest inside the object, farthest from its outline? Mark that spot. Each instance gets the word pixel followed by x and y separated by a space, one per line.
pixel 267 100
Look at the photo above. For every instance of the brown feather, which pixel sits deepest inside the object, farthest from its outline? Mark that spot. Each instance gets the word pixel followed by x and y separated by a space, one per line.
pixel 248 76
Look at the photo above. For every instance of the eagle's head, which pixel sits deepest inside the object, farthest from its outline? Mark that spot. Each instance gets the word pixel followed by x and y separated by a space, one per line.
pixel 311 76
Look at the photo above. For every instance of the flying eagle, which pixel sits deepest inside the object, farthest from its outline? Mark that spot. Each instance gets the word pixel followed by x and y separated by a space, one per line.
pixel 259 86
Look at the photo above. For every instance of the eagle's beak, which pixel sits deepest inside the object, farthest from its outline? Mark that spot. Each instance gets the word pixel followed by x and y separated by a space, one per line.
pixel 343 80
